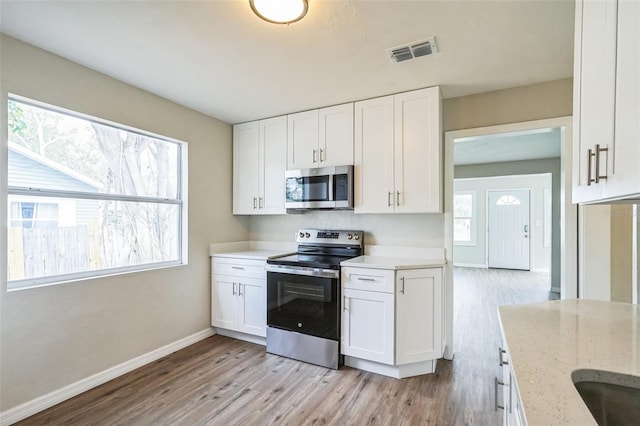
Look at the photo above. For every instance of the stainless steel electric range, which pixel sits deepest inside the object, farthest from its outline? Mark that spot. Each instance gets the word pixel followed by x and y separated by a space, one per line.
pixel 303 296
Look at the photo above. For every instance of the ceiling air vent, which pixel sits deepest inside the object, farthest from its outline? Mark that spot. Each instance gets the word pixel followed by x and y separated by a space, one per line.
pixel 413 50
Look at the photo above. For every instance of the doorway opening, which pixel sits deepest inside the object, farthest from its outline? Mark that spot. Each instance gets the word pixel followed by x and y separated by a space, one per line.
pixel 511 152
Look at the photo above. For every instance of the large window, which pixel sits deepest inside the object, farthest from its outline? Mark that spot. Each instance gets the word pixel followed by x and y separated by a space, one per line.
pixel 464 218
pixel 89 198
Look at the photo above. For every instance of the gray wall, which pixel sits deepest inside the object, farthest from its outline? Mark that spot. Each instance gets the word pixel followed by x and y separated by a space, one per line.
pixel 552 166
pixel 54 336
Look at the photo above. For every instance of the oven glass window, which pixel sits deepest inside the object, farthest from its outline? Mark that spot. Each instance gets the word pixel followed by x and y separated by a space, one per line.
pixel 313 188
pixel 304 304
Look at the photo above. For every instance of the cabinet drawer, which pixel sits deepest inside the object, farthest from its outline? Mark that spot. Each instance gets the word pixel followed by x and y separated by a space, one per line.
pixel 239 267
pixel 368 279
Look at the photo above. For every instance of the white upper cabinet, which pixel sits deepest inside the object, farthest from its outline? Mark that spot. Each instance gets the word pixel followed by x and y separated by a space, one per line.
pixel 320 138
pixel 606 152
pixel 398 154
pixel 335 135
pixel 259 163
pixel 246 165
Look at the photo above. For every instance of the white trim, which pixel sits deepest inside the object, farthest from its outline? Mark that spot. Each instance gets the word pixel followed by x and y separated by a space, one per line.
pixel 43 402
pixel 395 371
pixel 258 340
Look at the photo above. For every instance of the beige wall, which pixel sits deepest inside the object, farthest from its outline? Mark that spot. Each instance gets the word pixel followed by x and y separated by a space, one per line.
pixel 621 252
pixel 53 336
pixel 526 103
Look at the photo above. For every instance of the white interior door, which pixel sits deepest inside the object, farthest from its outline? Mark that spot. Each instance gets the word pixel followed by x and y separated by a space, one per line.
pixel 508 233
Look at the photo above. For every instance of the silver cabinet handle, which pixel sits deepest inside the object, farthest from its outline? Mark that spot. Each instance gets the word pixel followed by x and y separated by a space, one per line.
pixel 402 289
pixel 500 359
pixel 238 267
pixel 345 304
pixel 255 200
pixel 397 198
pixel 314 155
pixel 239 289
pixel 366 279
pixel 389 199
pixel 598 151
pixel 260 203
pixel 496 384
pixel 234 289
pixel 526 228
pixel 589 155
pixel 322 157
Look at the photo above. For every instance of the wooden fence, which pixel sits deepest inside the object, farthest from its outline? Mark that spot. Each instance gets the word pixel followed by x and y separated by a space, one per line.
pixel 39 252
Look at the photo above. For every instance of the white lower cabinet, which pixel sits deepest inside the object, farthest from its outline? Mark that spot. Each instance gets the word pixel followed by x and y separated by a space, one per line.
pixel 392 320
pixel 368 325
pixel 238 293
pixel 511 405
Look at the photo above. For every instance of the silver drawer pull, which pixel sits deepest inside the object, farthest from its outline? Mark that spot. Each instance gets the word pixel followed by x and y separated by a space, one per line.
pixel 366 279
pixel 238 267
pixel 496 405
pixel 502 361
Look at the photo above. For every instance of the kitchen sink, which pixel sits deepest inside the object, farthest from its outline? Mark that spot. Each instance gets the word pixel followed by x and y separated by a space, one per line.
pixel 612 398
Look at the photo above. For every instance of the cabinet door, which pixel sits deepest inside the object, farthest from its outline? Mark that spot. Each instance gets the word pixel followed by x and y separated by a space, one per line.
pixel 225 302
pixel 273 154
pixel 336 135
pixel 302 140
pixel 419 315
pixel 374 187
pixel 246 166
pixel 417 141
pixel 594 92
pixel 367 325
pixel 252 315
pixel 623 178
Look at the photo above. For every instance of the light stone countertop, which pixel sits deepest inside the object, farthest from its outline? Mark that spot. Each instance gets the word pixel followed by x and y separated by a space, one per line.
pixel 256 250
pixel 547 341
pixel 392 262
pixel 253 254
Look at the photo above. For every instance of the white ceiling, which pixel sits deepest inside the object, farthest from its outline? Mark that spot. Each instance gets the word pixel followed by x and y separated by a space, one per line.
pixel 515 146
pixel 217 57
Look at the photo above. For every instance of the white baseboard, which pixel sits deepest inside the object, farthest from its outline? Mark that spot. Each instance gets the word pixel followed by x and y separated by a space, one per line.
pixel 41 403
pixel 258 340
pixel 395 371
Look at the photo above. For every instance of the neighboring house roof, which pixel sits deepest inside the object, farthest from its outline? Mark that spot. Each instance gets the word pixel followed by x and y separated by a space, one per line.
pixel 28 169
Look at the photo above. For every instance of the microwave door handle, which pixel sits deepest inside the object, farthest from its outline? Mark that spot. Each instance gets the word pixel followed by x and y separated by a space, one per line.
pixel 331 176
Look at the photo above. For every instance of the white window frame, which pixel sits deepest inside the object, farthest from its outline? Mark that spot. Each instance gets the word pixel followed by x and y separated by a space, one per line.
pixel 473 219
pixel 45 195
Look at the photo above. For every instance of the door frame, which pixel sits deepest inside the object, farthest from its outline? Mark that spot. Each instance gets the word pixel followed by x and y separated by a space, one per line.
pixel 488 221
pixel 568 212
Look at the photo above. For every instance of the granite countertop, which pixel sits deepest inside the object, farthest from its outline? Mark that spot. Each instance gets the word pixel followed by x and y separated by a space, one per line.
pixel 392 262
pixel 547 341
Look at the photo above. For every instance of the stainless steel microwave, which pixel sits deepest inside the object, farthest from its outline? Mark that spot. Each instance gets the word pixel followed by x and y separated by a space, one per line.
pixel 319 188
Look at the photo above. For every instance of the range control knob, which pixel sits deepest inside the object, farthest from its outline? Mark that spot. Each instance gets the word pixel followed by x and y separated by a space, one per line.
pixel 357 237
pixel 307 235
pixel 302 235
pixel 349 236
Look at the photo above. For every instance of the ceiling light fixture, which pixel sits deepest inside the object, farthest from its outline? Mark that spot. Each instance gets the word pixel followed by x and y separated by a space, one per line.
pixel 280 11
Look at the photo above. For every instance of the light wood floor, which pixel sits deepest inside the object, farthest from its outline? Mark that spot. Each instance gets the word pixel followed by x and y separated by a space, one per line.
pixel 221 381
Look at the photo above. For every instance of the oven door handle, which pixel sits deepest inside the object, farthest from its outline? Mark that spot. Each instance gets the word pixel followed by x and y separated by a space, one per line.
pixel 300 270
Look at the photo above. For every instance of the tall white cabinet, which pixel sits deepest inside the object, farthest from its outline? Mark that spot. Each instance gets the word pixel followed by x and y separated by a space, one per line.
pixel 320 137
pixel 606 152
pixel 259 163
pixel 398 163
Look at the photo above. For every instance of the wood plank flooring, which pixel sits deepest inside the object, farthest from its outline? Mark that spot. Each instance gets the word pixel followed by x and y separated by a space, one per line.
pixel 222 381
